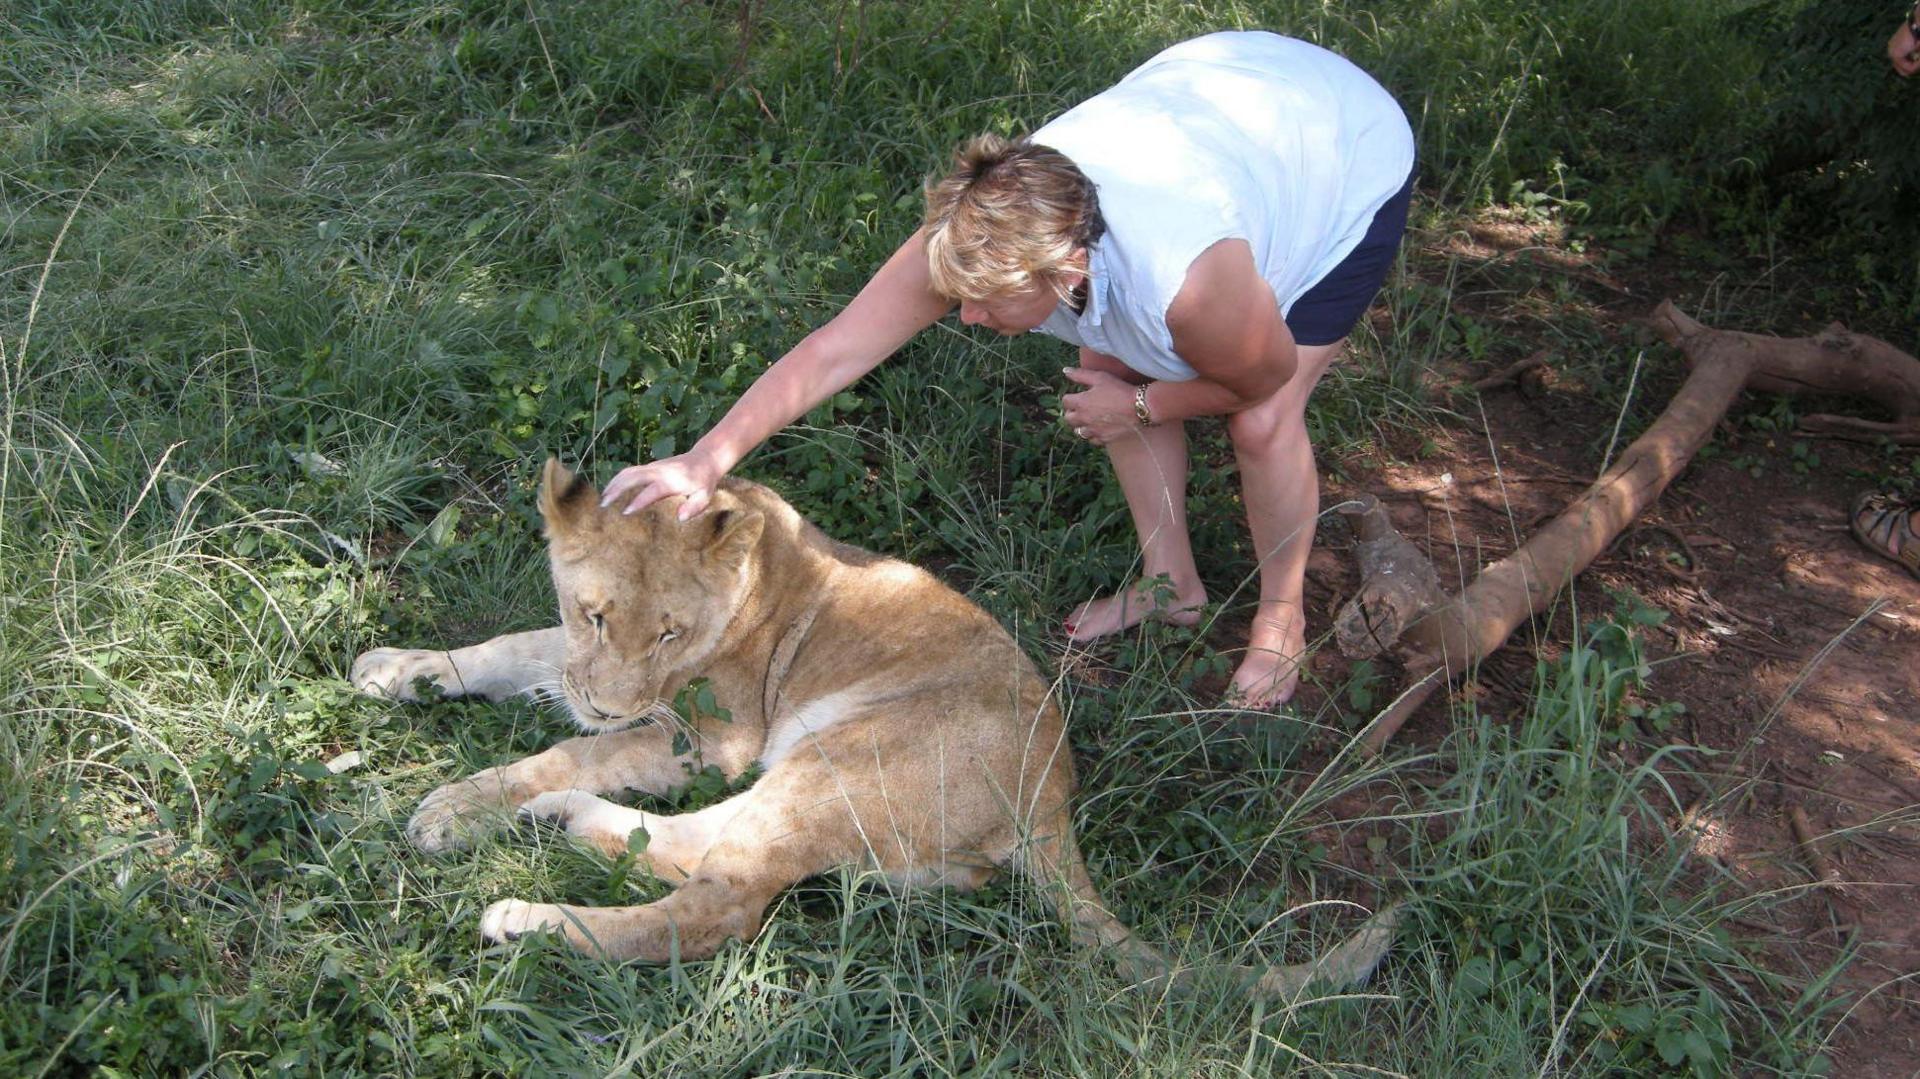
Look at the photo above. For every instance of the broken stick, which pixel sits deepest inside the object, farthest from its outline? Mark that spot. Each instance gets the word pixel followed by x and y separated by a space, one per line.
pixel 1454 634
pixel 1846 919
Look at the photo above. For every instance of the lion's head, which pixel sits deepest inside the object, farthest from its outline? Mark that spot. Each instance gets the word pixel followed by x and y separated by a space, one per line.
pixel 644 598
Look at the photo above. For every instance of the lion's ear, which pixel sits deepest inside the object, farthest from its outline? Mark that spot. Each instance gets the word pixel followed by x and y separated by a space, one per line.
pixel 567 500
pixel 727 535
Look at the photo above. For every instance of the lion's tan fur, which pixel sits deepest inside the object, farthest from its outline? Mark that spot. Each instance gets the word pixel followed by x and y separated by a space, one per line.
pixel 899 727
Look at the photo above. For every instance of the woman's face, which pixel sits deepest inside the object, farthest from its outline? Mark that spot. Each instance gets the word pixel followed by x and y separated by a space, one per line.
pixel 1014 312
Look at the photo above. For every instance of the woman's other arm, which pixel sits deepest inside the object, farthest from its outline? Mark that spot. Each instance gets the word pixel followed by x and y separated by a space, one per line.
pixel 1226 325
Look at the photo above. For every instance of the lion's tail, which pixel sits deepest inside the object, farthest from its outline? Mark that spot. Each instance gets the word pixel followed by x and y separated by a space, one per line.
pixel 1057 867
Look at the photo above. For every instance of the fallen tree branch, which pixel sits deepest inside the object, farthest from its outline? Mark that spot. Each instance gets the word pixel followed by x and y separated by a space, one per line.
pixel 1451 635
pixel 1835 362
pixel 1511 590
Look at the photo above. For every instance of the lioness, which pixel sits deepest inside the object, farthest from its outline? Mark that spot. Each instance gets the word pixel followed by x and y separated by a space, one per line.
pixel 898 726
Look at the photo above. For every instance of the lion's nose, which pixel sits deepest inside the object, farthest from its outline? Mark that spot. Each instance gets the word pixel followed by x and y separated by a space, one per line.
pixel 579 692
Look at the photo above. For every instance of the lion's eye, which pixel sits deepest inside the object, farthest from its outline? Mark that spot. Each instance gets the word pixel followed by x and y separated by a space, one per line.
pixel 599 623
pixel 668 634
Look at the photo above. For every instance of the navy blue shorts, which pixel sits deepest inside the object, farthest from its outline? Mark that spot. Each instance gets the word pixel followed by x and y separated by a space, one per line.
pixel 1328 311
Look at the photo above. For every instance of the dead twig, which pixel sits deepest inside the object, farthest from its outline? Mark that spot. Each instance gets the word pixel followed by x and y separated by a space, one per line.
pixel 1839 903
pixel 1765 651
pixel 1510 373
pixel 1690 572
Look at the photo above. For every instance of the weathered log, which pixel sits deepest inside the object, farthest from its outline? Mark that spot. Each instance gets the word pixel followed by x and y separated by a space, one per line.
pixel 1398 584
pixel 1506 593
pixel 1458 633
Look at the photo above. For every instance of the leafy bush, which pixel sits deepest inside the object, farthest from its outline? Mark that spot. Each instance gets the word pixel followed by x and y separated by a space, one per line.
pixel 1837 145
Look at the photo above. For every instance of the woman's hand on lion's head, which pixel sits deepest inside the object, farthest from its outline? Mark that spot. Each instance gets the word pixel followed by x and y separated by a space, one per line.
pixel 641 486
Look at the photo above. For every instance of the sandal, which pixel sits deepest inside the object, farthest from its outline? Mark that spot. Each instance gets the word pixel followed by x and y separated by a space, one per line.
pixel 1884 525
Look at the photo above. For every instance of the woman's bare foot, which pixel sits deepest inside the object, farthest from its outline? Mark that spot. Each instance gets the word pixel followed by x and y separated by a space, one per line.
pixel 1270 673
pixel 1156 598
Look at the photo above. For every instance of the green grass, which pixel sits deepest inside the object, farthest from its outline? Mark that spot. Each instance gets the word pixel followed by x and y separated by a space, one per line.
pixel 298 296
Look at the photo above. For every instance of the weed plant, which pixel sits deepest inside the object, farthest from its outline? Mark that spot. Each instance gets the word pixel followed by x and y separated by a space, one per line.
pixel 297 297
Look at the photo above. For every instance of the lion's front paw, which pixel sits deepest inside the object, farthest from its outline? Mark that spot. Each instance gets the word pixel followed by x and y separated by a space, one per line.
pixel 588 816
pixel 453 814
pixel 391 672
pixel 510 919
pixel 561 806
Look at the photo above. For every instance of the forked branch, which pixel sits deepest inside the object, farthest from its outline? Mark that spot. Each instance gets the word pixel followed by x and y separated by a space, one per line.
pixel 1442 637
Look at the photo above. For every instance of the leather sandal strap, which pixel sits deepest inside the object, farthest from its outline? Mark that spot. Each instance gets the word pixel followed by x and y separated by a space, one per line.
pixel 1909 553
pixel 1890 517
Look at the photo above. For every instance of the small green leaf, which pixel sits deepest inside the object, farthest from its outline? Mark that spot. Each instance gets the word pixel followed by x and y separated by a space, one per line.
pixel 1475 977
pixel 1671 1045
pixel 441 531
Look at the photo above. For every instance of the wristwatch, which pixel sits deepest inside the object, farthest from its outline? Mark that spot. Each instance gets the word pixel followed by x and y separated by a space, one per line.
pixel 1140 411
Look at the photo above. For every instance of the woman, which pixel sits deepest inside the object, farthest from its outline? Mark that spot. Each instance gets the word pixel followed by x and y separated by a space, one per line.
pixel 1207 232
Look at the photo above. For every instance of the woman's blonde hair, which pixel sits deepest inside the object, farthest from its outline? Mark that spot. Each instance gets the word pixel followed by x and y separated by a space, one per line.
pixel 1012 212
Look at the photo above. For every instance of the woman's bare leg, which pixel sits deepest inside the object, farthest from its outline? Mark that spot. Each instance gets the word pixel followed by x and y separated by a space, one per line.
pixel 1152 470
pixel 1281 490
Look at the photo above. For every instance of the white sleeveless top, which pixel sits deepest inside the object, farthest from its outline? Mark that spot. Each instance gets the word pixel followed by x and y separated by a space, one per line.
pixel 1238 135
